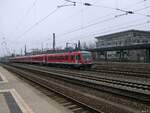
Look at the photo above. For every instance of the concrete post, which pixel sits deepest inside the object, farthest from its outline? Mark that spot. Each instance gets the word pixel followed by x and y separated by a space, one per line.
pixel 54 42
pixel 121 55
pixel 105 54
pixel 148 55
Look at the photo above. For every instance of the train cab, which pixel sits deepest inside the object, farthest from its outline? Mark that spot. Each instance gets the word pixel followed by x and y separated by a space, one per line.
pixel 86 58
pixel 80 59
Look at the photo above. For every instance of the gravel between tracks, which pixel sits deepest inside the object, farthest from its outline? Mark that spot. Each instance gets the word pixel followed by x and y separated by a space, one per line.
pixel 134 105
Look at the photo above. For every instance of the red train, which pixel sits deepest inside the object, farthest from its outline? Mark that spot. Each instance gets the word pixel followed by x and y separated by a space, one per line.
pixel 73 59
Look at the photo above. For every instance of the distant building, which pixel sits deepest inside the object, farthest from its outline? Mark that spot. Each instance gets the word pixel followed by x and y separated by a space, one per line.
pixel 125 38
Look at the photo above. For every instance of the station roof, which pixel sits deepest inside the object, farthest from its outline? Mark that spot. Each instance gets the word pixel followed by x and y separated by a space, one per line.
pixel 118 34
pixel 117 48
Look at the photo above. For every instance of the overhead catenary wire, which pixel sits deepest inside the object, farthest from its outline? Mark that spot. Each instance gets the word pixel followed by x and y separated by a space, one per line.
pixel 102 6
pixel 75 15
pixel 38 22
pixel 27 12
pixel 93 24
pixel 142 8
pixel 118 25
pixel 143 14
pixel 138 2
pixel 87 26
pixel 120 28
pixel 100 30
pixel 128 26
pixel 87 4
pixel 117 9
pixel 130 11
pixel 116 16
pixel 84 27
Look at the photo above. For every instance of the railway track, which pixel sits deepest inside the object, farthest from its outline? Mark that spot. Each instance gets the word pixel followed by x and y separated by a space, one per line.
pixel 133 89
pixel 43 84
pixel 98 77
pixel 101 73
pixel 140 70
pixel 137 91
pixel 123 72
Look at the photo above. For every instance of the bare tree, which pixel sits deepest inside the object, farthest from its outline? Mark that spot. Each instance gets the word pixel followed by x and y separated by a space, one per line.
pixel 91 45
pixel 84 45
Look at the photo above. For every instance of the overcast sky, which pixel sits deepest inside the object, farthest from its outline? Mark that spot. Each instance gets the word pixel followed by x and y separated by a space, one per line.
pixel 27 21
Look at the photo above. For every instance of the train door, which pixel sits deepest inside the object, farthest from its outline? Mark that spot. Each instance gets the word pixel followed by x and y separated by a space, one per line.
pixel 76 60
pixel 45 58
pixel 77 57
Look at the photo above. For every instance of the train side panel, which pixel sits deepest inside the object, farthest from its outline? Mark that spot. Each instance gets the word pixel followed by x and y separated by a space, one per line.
pixel 75 59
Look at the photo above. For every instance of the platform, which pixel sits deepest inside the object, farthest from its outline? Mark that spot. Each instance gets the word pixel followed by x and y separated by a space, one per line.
pixel 16 96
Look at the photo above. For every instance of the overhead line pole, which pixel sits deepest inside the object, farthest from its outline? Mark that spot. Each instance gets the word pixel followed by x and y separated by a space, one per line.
pixel 53 42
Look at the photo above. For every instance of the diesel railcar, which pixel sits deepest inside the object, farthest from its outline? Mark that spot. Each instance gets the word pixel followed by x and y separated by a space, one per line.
pixel 73 59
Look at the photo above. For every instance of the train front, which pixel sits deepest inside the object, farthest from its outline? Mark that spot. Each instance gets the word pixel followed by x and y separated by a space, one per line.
pixel 87 60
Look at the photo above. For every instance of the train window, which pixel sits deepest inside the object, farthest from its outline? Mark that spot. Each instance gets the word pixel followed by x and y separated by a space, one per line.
pixel 66 57
pixel 87 56
pixel 62 57
pixel 78 57
pixel 49 58
pixel 72 57
pixel 56 57
pixel 53 58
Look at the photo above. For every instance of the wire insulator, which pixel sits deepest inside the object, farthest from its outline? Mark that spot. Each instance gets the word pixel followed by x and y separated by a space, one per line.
pixel 87 4
pixel 130 12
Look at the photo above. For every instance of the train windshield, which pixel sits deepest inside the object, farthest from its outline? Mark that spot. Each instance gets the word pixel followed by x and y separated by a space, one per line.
pixel 87 55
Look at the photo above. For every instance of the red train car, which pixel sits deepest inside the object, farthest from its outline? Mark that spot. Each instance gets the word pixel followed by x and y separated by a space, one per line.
pixel 75 59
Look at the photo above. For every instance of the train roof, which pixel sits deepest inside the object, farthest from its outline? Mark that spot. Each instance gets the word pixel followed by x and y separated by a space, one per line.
pixel 27 56
pixel 50 54
pixel 85 52
pixel 68 52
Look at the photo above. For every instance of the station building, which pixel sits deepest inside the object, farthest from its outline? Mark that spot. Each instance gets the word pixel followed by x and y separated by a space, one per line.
pixel 124 38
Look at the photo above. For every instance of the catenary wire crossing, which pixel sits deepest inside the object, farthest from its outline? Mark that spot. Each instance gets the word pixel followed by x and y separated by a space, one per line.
pixel 90 25
pixel 74 4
